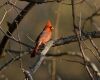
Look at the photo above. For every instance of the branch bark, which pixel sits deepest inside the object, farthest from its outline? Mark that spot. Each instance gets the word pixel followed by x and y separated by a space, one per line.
pixel 41 57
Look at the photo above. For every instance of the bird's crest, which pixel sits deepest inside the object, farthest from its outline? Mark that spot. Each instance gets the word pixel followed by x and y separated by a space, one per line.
pixel 49 25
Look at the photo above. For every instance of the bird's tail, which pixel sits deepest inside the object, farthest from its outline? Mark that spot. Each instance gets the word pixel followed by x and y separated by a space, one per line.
pixel 35 50
pixel 33 54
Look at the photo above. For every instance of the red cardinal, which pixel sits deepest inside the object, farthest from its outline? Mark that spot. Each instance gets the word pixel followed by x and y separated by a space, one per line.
pixel 43 38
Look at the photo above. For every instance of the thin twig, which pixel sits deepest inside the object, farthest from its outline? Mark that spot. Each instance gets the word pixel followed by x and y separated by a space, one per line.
pixel 94 45
pixel 21 64
pixel 27 35
pixel 13 4
pixel 77 32
pixel 61 41
pixel 80 2
pixel 60 56
pixel 3 17
pixel 14 39
pixel 90 17
pixel 9 62
pixel 96 56
pixel 13 26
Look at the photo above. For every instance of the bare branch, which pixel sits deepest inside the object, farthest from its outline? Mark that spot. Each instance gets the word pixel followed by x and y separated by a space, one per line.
pixel 41 57
pixel 59 56
pixel 90 64
pixel 91 17
pixel 12 26
pixel 77 32
pixel 11 61
pixel 94 45
pixel 61 41
pixel 27 74
pixel 13 5
pixel 80 2
pixel 3 17
pixel 96 56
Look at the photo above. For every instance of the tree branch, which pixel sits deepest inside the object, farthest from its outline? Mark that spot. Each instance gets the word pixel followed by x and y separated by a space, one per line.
pixel 41 57
pixel 13 26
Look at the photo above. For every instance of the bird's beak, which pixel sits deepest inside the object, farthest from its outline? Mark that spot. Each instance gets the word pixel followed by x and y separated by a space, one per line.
pixel 52 27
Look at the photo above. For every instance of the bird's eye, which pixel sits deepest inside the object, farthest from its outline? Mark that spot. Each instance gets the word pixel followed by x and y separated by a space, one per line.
pixel 50 26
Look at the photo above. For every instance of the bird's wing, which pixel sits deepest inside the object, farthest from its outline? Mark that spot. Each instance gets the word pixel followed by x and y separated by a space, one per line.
pixel 37 39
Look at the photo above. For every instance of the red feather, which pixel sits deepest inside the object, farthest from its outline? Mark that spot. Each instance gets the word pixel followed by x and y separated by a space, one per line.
pixel 43 38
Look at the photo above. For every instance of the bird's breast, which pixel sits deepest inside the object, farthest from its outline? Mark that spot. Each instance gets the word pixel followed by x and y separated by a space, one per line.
pixel 46 36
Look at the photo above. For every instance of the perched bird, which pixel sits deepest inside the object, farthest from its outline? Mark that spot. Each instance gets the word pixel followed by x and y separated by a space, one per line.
pixel 43 38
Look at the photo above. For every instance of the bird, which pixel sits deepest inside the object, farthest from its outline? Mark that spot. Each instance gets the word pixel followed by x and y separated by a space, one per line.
pixel 43 38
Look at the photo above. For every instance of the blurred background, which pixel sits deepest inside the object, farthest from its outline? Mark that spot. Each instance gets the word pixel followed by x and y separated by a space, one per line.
pixel 60 15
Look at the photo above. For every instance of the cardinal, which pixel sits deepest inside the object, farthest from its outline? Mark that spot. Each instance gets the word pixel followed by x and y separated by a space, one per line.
pixel 43 38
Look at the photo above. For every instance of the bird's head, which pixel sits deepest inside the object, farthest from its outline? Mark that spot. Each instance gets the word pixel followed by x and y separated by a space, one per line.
pixel 48 25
